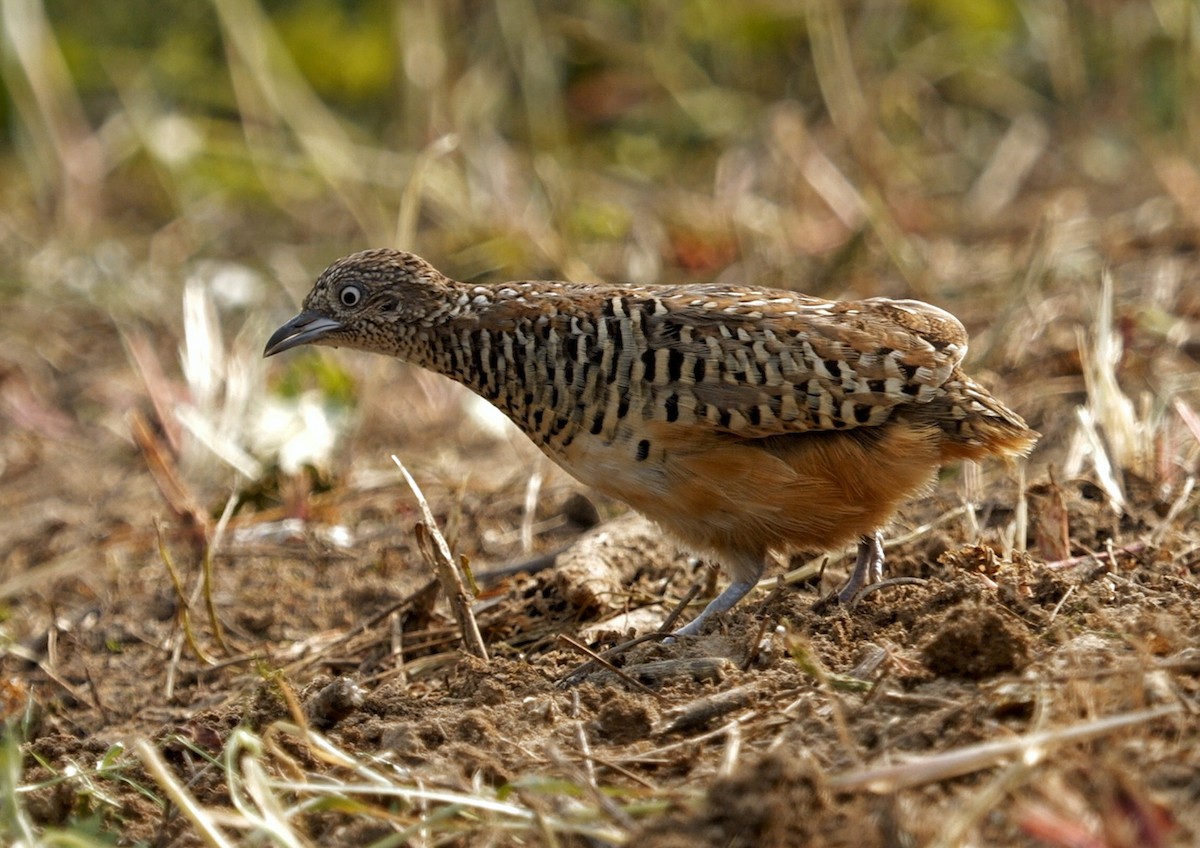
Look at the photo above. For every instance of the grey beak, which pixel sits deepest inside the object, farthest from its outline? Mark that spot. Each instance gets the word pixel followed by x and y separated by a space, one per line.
pixel 305 328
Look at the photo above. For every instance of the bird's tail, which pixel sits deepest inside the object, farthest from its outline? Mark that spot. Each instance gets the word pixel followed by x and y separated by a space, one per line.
pixel 976 424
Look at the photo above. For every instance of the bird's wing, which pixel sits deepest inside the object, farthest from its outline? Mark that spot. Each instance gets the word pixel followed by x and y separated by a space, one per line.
pixel 759 363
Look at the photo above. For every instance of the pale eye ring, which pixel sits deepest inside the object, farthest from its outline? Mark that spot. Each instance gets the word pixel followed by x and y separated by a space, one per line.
pixel 350 295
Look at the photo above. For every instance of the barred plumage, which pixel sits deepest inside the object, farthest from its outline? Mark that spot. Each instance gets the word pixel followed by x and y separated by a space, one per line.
pixel 740 418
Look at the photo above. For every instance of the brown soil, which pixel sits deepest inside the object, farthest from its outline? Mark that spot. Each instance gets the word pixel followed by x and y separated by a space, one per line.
pixel 751 735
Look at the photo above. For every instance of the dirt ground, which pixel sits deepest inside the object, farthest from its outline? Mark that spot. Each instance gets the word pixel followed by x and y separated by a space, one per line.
pixel 790 722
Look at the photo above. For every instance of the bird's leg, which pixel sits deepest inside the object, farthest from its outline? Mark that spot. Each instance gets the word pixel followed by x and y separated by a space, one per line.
pixel 746 568
pixel 733 593
pixel 868 568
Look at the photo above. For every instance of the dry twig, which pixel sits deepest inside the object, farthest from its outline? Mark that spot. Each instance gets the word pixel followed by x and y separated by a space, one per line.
pixel 437 553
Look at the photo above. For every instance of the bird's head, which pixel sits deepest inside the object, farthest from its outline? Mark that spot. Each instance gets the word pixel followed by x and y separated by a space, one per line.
pixel 371 300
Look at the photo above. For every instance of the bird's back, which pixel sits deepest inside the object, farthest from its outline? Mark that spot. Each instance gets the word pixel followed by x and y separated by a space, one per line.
pixel 568 359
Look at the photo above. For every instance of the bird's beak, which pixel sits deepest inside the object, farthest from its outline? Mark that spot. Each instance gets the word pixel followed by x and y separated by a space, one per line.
pixel 305 328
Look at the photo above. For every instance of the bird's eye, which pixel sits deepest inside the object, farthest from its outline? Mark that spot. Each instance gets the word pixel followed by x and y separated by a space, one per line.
pixel 350 295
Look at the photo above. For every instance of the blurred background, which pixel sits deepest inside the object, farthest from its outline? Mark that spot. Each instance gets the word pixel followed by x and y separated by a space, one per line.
pixel 647 140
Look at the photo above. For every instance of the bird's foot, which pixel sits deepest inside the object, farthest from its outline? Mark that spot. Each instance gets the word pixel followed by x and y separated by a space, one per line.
pixel 868 567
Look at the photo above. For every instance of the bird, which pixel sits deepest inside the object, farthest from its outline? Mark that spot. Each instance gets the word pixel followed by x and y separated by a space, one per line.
pixel 741 419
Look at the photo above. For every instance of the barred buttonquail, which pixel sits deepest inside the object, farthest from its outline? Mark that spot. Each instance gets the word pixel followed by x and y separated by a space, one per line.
pixel 741 419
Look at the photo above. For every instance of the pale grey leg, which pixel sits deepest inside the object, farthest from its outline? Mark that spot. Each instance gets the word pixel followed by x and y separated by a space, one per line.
pixel 721 603
pixel 868 568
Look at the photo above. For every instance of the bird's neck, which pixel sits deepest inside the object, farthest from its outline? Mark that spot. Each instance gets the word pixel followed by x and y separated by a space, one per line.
pixel 507 344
